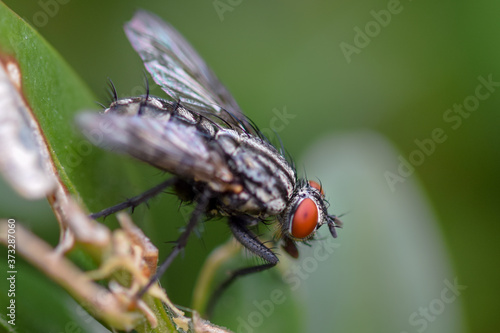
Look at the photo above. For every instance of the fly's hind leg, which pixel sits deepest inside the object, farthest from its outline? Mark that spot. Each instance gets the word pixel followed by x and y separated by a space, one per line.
pixel 252 243
pixel 137 200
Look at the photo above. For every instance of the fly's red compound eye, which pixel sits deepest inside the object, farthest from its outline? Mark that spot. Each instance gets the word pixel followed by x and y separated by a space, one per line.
pixel 304 219
pixel 316 186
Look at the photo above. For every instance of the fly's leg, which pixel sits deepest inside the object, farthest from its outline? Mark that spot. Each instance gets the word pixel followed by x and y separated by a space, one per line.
pixel 137 200
pixel 202 203
pixel 252 243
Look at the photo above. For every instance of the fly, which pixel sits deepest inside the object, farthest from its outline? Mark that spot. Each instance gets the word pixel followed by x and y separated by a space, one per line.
pixel 218 158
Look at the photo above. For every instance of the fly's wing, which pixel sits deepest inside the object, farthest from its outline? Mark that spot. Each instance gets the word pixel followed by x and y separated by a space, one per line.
pixel 178 69
pixel 168 145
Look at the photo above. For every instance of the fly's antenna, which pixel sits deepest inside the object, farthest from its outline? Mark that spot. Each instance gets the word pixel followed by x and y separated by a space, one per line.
pixel 334 222
pixel 343 214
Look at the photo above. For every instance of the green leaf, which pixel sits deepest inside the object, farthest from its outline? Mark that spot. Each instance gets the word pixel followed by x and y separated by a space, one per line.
pixel 51 88
pixel 262 302
pixel 391 266
pixel 97 178
pixel 55 94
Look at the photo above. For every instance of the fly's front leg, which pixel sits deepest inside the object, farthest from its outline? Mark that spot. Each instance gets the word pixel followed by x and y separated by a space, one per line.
pixel 252 243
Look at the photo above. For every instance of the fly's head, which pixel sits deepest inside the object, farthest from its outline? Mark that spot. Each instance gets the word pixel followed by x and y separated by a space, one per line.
pixel 306 211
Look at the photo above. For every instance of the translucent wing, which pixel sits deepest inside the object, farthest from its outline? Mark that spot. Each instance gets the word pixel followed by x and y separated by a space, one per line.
pixel 178 69
pixel 173 146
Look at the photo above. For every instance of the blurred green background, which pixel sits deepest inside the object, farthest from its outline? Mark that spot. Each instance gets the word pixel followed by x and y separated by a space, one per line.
pixel 288 55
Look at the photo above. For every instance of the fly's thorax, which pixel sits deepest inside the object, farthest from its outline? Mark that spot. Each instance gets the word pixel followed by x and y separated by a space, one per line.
pixel 162 111
pixel 142 105
pixel 305 213
pixel 266 177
